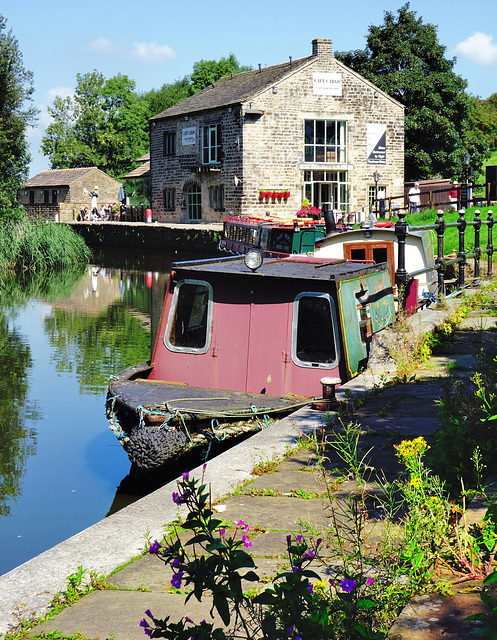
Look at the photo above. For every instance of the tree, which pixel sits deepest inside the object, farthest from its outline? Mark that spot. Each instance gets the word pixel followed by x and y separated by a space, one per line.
pixel 103 125
pixel 16 114
pixel 207 71
pixel 404 58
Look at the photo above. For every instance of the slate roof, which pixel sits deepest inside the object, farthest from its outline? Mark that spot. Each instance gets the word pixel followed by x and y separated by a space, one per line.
pixel 58 177
pixel 240 88
pixel 143 171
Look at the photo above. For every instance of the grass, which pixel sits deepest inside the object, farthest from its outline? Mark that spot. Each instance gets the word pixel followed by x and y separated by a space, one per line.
pixel 40 247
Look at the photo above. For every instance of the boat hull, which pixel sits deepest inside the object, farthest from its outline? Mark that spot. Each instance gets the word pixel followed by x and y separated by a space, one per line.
pixel 158 421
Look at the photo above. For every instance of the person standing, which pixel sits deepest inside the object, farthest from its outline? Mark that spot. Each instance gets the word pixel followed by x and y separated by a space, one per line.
pixel 414 198
pixel 453 196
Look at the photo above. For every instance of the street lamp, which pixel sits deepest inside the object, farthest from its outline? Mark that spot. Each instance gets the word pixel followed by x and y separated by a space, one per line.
pixel 376 177
pixel 464 192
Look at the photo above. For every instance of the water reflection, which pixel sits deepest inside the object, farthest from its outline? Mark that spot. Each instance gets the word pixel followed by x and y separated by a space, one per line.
pixel 61 338
pixel 18 440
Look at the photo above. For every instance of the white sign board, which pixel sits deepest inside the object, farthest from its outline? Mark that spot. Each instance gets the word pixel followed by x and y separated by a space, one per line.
pixel 188 135
pixel 376 143
pixel 327 84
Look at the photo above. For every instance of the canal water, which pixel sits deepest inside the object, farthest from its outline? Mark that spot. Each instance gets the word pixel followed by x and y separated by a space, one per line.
pixel 61 468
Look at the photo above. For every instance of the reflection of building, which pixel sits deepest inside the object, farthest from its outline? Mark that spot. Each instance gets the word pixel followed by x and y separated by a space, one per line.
pixel 96 291
pixel 309 128
pixel 63 193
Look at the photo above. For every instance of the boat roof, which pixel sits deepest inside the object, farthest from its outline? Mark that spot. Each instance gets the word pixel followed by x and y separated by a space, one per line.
pixel 294 267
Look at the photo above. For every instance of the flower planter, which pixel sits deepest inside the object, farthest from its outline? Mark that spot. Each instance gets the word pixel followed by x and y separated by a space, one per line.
pixel 263 194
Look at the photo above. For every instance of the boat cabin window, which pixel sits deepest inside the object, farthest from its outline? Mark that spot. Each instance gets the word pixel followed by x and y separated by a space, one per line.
pixel 189 322
pixel 314 331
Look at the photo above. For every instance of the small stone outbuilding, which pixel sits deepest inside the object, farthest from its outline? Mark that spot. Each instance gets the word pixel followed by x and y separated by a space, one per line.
pixel 62 193
pixel 263 140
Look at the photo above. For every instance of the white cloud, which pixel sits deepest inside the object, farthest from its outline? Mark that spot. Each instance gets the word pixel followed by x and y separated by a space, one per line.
pixel 148 52
pixel 104 46
pixel 478 48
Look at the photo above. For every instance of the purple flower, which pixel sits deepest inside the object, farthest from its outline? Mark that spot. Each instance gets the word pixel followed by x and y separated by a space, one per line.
pixel 332 582
pixel 348 585
pixel 185 475
pixel 299 538
pixel 176 579
pixel 222 532
pixel 308 554
pixel 188 619
pixel 148 613
pixel 369 581
pixel 310 588
pixel 154 548
pixel 240 523
pixel 175 563
pixel 180 498
pixel 175 497
pixel 246 541
pixel 318 541
pixel 146 627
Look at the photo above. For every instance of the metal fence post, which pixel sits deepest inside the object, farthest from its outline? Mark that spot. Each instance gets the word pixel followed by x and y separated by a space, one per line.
pixel 490 247
pixel 401 228
pixel 440 229
pixel 477 225
pixel 461 225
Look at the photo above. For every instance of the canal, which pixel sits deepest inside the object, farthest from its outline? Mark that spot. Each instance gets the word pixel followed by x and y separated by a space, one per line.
pixel 61 468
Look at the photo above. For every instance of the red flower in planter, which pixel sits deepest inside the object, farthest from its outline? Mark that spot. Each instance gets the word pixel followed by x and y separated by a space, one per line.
pixel 263 194
pixel 282 194
pixel 287 194
pixel 269 194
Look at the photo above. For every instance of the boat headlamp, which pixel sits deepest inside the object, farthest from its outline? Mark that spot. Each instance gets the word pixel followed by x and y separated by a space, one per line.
pixel 253 260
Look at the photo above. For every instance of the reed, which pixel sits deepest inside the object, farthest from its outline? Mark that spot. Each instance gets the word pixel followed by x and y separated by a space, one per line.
pixel 40 246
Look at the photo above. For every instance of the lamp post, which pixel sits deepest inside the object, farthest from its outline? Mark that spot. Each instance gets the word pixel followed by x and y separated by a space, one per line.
pixel 376 177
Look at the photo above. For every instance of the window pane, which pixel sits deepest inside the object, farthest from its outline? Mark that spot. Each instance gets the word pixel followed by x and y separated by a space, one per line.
pixel 319 131
pixel 189 326
pixel 309 132
pixel 315 337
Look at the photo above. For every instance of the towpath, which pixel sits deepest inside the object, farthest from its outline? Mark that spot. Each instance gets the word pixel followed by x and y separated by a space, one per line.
pixel 272 504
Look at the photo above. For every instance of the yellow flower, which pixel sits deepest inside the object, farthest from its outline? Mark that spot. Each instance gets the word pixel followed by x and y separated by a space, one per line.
pixel 415 482
pixel 409 449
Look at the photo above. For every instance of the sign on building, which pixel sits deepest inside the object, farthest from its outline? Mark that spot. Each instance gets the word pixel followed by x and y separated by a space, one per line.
pixel 376 143
pixel 188 135
pixel 327 84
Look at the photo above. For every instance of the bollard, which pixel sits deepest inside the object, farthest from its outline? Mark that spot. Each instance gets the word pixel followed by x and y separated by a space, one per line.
pixel 329 401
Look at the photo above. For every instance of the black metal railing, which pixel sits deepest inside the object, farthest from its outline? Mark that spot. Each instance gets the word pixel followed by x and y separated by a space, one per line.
pixel 403 278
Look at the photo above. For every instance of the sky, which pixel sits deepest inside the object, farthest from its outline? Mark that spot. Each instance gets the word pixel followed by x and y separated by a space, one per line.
pixel 156 42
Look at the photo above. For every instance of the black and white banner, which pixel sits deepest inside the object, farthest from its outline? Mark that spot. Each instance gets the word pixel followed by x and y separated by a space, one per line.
pixel 376 143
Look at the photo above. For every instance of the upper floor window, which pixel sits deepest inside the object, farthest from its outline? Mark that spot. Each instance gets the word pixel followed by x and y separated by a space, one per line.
pixel 211 143
pixel 325 141
pixel 169 143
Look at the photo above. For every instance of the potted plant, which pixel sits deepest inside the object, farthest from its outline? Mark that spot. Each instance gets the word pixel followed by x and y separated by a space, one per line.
pixel 287 193
pixel 262 193
pixel 269 194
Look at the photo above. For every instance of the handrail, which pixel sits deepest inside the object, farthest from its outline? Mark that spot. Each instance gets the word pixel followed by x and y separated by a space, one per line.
pixel 403 278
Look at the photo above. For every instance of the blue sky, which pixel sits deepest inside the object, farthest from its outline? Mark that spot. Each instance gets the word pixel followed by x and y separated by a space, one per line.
pixel 156 42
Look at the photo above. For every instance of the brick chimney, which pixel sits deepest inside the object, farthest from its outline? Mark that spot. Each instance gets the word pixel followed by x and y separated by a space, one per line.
pixel 322 47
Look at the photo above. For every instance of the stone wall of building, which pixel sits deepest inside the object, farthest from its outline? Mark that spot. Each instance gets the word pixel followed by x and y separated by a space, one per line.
pixel 185 168
pixel 263 145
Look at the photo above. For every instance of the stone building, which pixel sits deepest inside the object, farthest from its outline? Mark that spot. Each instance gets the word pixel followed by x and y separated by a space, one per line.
pixel 263 140
pixel 62 193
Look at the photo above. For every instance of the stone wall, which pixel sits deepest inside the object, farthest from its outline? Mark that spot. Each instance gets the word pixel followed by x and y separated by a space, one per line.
pixel 148 236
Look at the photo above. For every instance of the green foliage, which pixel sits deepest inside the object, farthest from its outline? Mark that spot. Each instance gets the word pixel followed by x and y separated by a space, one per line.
pixel 16 88
pixel 404 58
pixel 207 71
pixel 41 246
pixel 103 125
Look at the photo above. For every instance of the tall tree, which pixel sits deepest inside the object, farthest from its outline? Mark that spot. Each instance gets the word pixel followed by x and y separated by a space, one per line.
pixel 207 71
pixel 103 125
pixel 404 58
pixel 16 114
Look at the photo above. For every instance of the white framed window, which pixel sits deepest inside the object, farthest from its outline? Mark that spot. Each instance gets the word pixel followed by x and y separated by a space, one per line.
pixel 315 331
pixel 325 141
pixel 211 143
pixel 189 324
pixel 327 190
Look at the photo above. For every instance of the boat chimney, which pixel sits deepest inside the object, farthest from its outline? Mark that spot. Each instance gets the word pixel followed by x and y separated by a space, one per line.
pixel 329 221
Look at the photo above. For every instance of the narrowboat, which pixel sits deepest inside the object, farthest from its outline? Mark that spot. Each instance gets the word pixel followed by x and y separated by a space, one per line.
pixel 377 242
pixel 242 339
pixel 273 237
